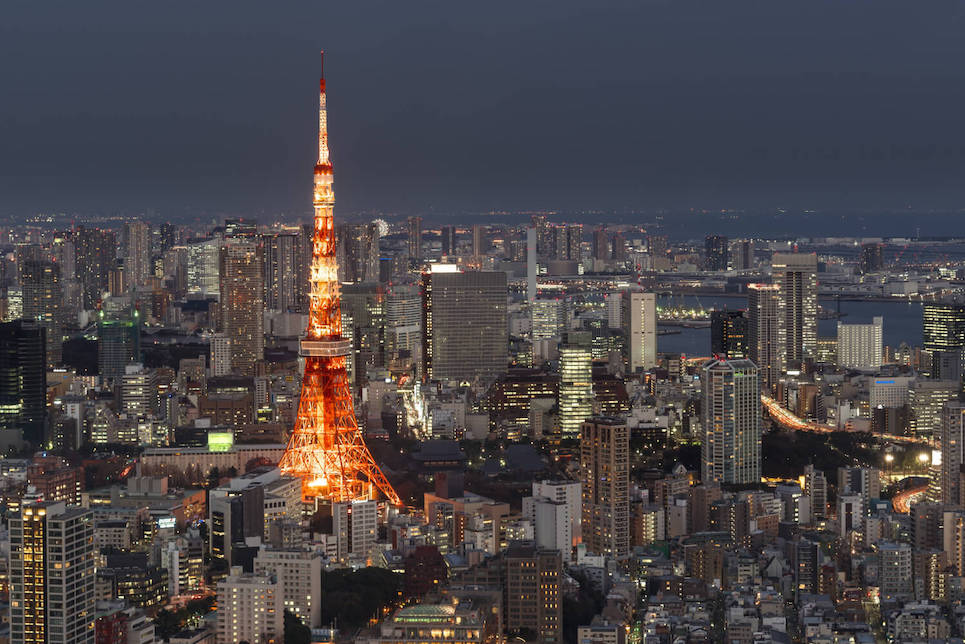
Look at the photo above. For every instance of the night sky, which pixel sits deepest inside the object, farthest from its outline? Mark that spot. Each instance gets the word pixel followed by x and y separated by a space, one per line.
pixel 181 108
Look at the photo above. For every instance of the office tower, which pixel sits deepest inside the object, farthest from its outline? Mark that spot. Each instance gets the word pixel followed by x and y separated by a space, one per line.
pixel 766 343
pixel 326 450
pixel 52 575
pixel 96 253
pixel 250 608
pixel 619 247
pixel 363 305
pixel 926 399
pixel 731 423
pixel 243 303
pixel 601 243
pixel 728 334
pixel 138 392
pixel 168 236
pixel 464 325
pixel 742 254
pixel 478 241
pixel 42 302
pixel 716 256
pixel 449 240
pixel 281 259
pixel 532 593
pixel 576 382
pixel 23 380
pixel 574 243
pixel 219 354
pixel 816 487
pixel 356 529
pixel 236 512
pixel 137 262
pixel 204 267
pixel 614 310
pixel 797 275
pixel 952 438
pixel 299 573
pixel 403 314
pixel 357 252
pixel 547 318
pixel 871 260
pixel 861 481
pixel 605 478
pixel 415 237
pixel 568 493
pixel 657 245
pixel 639 322
pixel 943 335
pixel 118 342
pixel 532 263
pixel 860 346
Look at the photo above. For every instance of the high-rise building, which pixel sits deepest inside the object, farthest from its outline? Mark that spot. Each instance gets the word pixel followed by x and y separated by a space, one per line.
pixel 894 569
pixel 926 399
pixel 299 573
pixel 601 243
pixel 766 343
pixel 137 263
pixel 952 440
pixel 742 254
pixel 731 423
pixel 605 478
pixel 943 335
pixel 357 252
pixel 449 240
pixel 415 238
pixel 281 259
pixel 575 400
pixel 203 270
pixel 118 342
pixel 569 493
pixel 243 303
pixel 43 301
pixel 356 529
pixel 861 481
pixel 532 591
pixel 479 246
pixel 639 313
pixel 52 575
pixel 728 334
pixel 716 253
pixel 464 325
pixel 860 346
pixel 574 243
pixel 96 253
pixel 871 258
pixel 23 380
pixel 816 487
pixel 547 318
pixel 138 392
pixel 219 354
pixel 250 608
pixel 797 275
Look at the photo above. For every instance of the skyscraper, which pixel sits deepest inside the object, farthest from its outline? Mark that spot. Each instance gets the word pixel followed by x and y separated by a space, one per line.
pixel 601 243
pixel 449 240
pixel 953 438
pixel 731 423
pixel 765 338
pixel 415 238
pixel 464 325
pixel 860 345
pixel 576 382
pixel 243 303
pixel 479 247
pixel 96 253
pixel 357 252
pixel 742 254
pixel 797 275
pixel 118 342
pixel 547 318
pixel 605 472
pixel 52 575
pixel 281 259
pixel 715 253
pixel 42 302
pixel 943 334
pixel 137 264
pixel 871 258
pixel 23 380
pixel 639 313
pixel 728 334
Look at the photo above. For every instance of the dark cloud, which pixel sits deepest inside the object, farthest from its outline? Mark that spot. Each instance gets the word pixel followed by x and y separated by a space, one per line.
pixel 209 106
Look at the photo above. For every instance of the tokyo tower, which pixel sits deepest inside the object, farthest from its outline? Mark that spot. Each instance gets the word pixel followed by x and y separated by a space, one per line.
pixel 326 450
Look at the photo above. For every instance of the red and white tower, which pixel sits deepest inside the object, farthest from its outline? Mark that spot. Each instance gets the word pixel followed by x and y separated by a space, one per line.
pixel 326 449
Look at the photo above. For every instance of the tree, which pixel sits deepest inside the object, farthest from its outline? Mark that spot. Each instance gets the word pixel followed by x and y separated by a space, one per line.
pixel 295 631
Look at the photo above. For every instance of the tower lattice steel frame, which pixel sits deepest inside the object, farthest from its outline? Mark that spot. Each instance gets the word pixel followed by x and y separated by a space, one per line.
pixel 326 449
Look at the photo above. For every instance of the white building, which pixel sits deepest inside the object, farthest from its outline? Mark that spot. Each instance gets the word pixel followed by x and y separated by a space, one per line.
pixel 355 526
pixel 567 492
pixel 219 348
pixel 299 572
pixel 640 325
pixel 250 608
pixel 889 392
pixel 860 346
pixel 552 528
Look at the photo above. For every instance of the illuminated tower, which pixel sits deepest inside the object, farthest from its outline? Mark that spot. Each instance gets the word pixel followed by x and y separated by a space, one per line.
pixel 326 449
